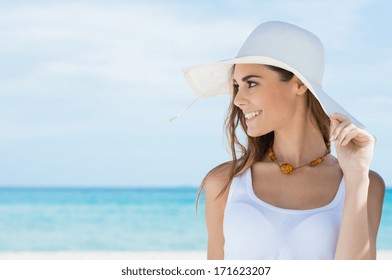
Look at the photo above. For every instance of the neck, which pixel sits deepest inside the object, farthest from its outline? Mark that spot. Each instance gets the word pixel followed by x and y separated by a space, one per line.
pixel 298 144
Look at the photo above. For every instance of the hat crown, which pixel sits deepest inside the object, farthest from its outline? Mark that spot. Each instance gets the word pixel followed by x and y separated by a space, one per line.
pixel 290 44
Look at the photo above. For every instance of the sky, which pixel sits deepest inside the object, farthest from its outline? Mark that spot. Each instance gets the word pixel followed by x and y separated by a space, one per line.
pixel 87 87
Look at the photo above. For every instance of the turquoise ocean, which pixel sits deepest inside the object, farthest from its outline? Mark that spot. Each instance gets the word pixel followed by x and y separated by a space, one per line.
pixel 114 219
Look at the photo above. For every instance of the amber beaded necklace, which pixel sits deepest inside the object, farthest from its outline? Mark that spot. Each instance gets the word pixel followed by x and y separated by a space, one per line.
pixel 287 168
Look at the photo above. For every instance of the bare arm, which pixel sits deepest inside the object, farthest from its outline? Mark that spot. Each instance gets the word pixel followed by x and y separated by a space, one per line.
pixel 214 212
pixel 364 191
pixel 361 216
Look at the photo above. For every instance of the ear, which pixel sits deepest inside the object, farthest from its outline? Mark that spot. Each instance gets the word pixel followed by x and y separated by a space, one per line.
pixel 300 87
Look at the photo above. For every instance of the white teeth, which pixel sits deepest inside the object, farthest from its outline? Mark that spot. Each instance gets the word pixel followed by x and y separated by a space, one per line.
pixel 252 115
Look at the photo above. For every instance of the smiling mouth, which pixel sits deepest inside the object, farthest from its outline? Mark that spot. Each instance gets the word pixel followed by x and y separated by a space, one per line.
pixel 252 115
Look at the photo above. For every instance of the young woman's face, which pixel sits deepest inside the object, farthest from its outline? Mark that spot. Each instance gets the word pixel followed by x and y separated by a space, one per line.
pixel 267 102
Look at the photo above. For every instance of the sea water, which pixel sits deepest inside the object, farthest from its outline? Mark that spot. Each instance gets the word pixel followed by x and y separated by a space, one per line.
pixel 114 219
pixel 69 219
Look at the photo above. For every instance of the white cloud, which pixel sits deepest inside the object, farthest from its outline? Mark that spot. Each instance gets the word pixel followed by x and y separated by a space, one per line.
pixel 121 43
pixel 143 43
pixel 124 58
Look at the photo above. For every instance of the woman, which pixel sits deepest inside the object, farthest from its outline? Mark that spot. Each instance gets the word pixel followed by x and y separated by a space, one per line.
pixel 285 196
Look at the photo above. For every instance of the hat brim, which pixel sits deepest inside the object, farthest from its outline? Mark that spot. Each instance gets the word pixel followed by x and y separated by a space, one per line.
pixel 213 79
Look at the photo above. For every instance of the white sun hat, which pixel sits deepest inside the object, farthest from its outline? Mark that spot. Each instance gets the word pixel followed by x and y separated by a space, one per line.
pixel 273 43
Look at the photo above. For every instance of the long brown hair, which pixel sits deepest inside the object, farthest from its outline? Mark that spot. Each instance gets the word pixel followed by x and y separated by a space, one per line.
pixel 257 147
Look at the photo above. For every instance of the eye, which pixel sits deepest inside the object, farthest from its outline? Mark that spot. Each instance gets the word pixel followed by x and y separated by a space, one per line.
pixel 235 86
pixel 251 84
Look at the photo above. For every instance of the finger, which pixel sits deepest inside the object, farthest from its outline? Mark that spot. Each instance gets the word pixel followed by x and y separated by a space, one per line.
pixel 344 131
pixel 349 136
pixel 339 117
pixel 334 125
pixel 339 128
pixel 360 136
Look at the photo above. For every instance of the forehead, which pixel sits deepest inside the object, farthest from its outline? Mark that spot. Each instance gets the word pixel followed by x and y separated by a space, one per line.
pixel 241 70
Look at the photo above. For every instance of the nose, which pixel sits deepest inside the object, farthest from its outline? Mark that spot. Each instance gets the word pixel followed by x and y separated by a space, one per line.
pixel 240 99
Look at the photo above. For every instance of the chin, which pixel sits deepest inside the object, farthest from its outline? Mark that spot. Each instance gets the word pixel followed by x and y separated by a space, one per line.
pixel 256 133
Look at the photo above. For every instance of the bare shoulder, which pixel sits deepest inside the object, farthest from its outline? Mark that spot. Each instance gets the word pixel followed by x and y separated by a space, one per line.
pixel 375 202
pixel 376 186
pixel 216 180
pixel 213 184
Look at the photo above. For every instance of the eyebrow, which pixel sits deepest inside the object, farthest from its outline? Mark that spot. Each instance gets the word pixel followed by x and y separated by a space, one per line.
pixel 244 79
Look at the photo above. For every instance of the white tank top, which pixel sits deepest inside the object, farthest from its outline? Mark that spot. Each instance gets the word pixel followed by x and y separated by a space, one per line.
pixel 254 229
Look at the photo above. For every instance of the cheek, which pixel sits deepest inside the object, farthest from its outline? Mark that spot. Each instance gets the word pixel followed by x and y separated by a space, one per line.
pixel 274 105
pixel 282 103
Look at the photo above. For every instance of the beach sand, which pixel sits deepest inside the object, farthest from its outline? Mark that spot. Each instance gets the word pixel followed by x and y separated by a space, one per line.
pixel 96 255
pixel 181 255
